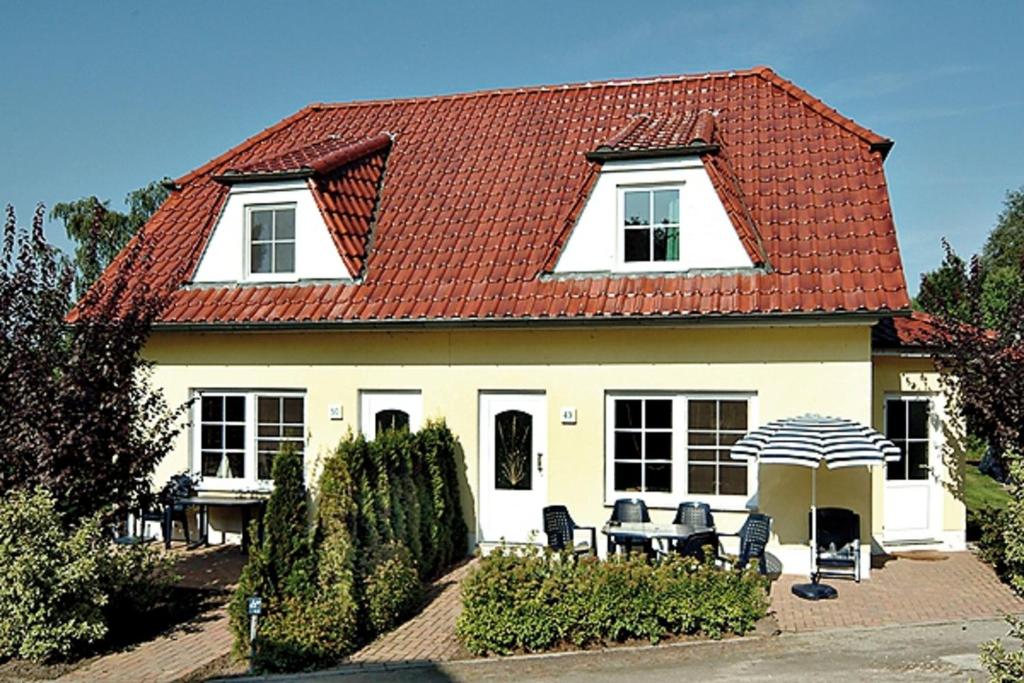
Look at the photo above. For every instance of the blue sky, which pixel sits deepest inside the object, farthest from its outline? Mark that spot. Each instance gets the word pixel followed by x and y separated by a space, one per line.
pixel 100 98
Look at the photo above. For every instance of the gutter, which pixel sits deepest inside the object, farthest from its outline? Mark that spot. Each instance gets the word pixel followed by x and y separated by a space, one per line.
pixel 607 322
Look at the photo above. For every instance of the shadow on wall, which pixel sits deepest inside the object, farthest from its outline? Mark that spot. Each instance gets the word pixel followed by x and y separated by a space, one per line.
pixel 785 494
pixel 466 496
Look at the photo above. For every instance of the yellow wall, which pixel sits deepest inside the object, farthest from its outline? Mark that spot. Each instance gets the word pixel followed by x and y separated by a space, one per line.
pixel 906 374
pixel 792 370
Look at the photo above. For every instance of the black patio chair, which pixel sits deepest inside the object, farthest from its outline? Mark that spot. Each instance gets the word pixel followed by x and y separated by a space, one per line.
pixel 177 487
pixel 838 548
pixel 753 537
pixel 561 531
pixel 696 515
pixel 695 544
pixel 630 510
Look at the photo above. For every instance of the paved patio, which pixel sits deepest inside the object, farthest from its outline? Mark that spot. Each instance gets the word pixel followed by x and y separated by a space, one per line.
pixel 910 588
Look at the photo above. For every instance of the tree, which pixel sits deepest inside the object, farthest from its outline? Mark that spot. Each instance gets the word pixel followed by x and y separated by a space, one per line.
pixel 100 232
pixel 1005 245
pixel 80 417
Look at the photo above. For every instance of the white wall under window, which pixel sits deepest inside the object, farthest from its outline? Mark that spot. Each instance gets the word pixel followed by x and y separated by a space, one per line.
pixel 386 409
pixel 226 257
pixel 682 440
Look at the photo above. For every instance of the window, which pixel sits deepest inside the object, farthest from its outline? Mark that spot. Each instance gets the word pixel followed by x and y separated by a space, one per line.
pixel 713 426
pixel 666 448
pixel 906 425
pixel 513 450
pixel 384 410
pixel 650 225
pixel 238 433
pixel 271 239
pixel 643 445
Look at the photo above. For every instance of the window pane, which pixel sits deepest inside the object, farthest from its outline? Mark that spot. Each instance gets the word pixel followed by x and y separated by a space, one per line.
pixel 294 431
pixel 701 479
pixel 260 259
pixel 234 436
pixel 284 228
pixel 638 246
pixel 513 450
pixel 918 420
pixel 212 408
pixel 659 445
pixel 895 419
pixel 702 415
pixel 637 209
pixel 391 420
pixel 733 415
pixel 627 445
pixel 727 439
pixel 666 206
pixel 627 413
pixel 700 455
pixel 264 465
pixel 260 222
pixel 268 446
pixel 210 463
pixel 235 463
pixel 212 436
pixel 284 255
pixel 659 477
pixel 703 439
pixel 659 414
pixel 917 462
pixel 732 480
pixel 234 409
pixel 627 476
pixel 268 409
pixel 293 410
pixel 897 471
pixel 666 244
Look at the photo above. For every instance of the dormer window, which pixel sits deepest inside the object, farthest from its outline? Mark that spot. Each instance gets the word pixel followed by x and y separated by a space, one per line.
pixel 650 224
pixel 271 231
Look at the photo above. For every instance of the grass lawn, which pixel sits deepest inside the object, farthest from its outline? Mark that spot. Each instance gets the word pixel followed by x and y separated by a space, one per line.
pixel 981 491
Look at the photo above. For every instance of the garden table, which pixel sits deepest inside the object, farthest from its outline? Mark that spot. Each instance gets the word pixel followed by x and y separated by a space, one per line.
pixel 648 531
pixel 246 505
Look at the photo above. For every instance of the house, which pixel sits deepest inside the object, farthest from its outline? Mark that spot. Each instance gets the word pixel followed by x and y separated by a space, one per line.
pixel 600 286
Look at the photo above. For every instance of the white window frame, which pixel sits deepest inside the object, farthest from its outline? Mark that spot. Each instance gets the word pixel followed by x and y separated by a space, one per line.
pixel 372 401
pixel 680 435
pixel 249 482
pixel 247 256
pixel 929 439
pixel 620 227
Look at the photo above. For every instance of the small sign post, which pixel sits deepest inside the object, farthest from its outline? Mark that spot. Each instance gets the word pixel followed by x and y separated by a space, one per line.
pixel 255 610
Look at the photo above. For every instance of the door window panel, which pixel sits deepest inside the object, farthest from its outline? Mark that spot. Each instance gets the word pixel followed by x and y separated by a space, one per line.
pixel 513 450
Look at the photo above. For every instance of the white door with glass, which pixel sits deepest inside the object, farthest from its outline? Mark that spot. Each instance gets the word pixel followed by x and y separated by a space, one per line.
pixel 513 467
pixel 910 484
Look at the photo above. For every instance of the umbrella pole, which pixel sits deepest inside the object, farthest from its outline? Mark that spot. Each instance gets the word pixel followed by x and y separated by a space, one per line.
pixel 814 523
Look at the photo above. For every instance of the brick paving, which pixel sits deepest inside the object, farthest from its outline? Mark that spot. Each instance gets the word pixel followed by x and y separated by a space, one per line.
pixel 188 648
pixel 430 635
pixel 912 587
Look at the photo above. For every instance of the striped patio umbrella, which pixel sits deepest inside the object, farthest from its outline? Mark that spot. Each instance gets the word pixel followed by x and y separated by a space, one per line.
pixel 809 441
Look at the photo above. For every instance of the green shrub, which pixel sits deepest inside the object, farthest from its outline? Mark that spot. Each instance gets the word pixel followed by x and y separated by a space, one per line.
pixel 391 589
pixel 531 600
pixel 1001 665
pixel 990 544
pixel 63 588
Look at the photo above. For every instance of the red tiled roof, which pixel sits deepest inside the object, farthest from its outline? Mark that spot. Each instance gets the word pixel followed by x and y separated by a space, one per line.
pixel 917 330
pixel 319 157
pixel 673 131
pixel 479 190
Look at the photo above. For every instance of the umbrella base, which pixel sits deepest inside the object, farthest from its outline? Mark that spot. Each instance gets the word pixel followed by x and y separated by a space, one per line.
pixel 814 591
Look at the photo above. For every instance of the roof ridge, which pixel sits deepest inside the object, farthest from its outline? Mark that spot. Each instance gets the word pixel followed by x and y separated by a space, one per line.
pixel 548 87
pixel 819 107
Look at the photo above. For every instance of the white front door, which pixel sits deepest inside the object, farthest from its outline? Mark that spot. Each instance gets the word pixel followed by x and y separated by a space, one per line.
pixel 513 467
pixel 911 492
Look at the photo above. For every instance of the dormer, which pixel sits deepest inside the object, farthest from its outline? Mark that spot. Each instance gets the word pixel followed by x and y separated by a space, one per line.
pixel 305 215
pixel 664 200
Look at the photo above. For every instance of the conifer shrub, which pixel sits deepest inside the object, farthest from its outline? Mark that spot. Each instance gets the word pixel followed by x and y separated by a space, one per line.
pixel 391 588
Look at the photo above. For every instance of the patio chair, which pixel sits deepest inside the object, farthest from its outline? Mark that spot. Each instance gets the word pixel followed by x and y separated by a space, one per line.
pixel 838 547
pixel 753 537
pixel 177 487
pixel 695 544
pixel 561 531
pixel 696 515
pixel 630 510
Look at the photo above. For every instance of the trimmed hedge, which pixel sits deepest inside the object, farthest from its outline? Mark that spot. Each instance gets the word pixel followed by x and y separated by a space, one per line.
pixel 387 518
pixel 535 600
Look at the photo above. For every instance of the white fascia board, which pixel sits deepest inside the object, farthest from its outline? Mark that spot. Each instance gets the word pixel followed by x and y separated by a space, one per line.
pixel 316 255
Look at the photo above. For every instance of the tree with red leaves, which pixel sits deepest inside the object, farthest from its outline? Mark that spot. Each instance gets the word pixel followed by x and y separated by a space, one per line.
pixel 79 414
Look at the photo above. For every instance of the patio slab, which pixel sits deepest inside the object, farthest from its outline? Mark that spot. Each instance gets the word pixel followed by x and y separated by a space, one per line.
pixel 911 588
